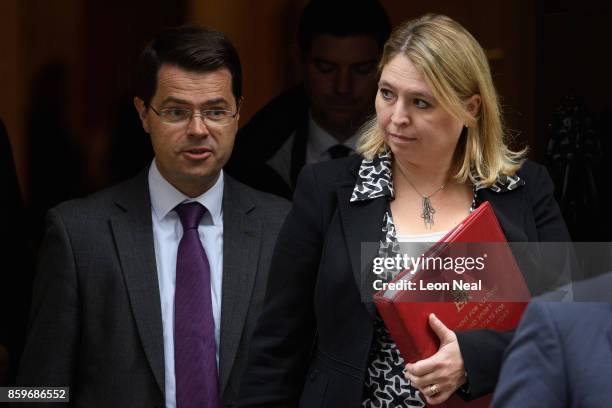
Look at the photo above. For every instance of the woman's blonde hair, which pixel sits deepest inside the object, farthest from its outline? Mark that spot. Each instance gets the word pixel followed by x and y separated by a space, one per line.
pixel 455 68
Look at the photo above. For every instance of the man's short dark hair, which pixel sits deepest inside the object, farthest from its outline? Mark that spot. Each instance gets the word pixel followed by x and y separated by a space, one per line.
pixel 343 18
pixel 192 48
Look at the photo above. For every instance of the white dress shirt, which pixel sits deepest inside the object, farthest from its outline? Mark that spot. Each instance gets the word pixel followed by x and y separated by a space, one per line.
pixel 319 142
pixel 167 232
pixel 317 146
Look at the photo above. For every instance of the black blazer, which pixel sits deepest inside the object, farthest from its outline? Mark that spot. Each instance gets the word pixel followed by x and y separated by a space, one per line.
pixel 312 341
pixel 96 317
pixel 262 138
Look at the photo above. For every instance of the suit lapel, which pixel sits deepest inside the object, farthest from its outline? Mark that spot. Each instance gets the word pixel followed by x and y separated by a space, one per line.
pixel 133 233
pixel 241 241
pixel 362 223
pixel 298 149
pixel 609 313
pixel 509 210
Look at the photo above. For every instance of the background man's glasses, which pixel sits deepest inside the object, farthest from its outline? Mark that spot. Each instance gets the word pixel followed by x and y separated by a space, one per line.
pixel 215 117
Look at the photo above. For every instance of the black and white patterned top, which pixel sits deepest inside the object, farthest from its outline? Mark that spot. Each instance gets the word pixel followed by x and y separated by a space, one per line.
pixel 385 385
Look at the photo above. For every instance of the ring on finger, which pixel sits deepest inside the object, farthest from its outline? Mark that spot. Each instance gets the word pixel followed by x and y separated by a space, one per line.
pixel 405 372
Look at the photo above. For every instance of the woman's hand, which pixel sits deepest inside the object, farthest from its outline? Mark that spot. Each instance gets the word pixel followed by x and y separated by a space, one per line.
pixel 438 376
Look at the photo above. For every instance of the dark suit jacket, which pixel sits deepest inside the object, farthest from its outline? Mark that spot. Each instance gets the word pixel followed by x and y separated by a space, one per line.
pixel 262 138
pixel 313 295
pixel 561 354
pixel 96 317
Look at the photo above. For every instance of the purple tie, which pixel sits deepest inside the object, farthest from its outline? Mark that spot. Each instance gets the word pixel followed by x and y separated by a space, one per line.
pixel 195 350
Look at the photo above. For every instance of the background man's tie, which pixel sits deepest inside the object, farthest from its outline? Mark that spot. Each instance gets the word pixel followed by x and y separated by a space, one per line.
pixel 195 350
pixel 338 151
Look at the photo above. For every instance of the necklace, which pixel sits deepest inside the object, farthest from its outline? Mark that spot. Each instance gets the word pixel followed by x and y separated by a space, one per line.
pixel 428 210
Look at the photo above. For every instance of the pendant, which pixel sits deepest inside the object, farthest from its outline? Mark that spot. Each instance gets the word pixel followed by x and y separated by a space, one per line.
pixel 428 212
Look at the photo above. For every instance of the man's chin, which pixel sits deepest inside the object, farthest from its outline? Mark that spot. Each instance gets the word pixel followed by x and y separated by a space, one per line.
pixel 337 115
pixel 194 172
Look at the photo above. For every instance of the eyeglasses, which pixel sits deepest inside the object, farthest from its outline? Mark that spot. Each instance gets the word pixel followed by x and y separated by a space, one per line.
pixel 215 117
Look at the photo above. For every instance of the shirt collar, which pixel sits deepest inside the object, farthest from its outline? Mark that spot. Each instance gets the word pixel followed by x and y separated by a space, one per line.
pixel 320 140
pixel 164 196
pixel 375 179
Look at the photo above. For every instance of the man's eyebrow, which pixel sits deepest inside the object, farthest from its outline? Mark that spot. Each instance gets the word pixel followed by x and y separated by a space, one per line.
pixel 369 62
pixel 324 61
pixel 214 101
pixel 172 99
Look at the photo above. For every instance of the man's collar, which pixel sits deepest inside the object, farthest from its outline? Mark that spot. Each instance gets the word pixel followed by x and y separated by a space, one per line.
pixel 165 197
pixel 321 140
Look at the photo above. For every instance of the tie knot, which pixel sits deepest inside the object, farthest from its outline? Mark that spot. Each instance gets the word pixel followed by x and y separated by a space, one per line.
pixel 190 214
pixel 338 151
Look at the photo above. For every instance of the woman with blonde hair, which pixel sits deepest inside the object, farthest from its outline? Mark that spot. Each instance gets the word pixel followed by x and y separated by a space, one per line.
pixel 435 151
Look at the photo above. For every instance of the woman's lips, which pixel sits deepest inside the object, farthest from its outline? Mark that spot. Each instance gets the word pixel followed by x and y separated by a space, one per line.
pixel 197 153
pixel 401 138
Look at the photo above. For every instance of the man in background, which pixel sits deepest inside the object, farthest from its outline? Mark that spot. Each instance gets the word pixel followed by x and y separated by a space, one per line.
pixel 340 45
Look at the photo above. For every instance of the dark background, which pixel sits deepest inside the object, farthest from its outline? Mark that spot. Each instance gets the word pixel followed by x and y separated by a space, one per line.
pixel 66 69
pixel 66 72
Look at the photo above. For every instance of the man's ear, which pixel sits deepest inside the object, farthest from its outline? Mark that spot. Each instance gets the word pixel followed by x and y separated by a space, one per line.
pixel 473 105
pixel 142 110
pixel 239 107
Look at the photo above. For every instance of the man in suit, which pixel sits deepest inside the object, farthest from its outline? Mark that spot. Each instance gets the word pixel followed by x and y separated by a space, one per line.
pixel 561 355
pixel 147 293
pixel 340 44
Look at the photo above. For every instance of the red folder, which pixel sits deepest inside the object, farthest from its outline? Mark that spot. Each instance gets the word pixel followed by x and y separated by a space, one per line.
pixel 499 305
